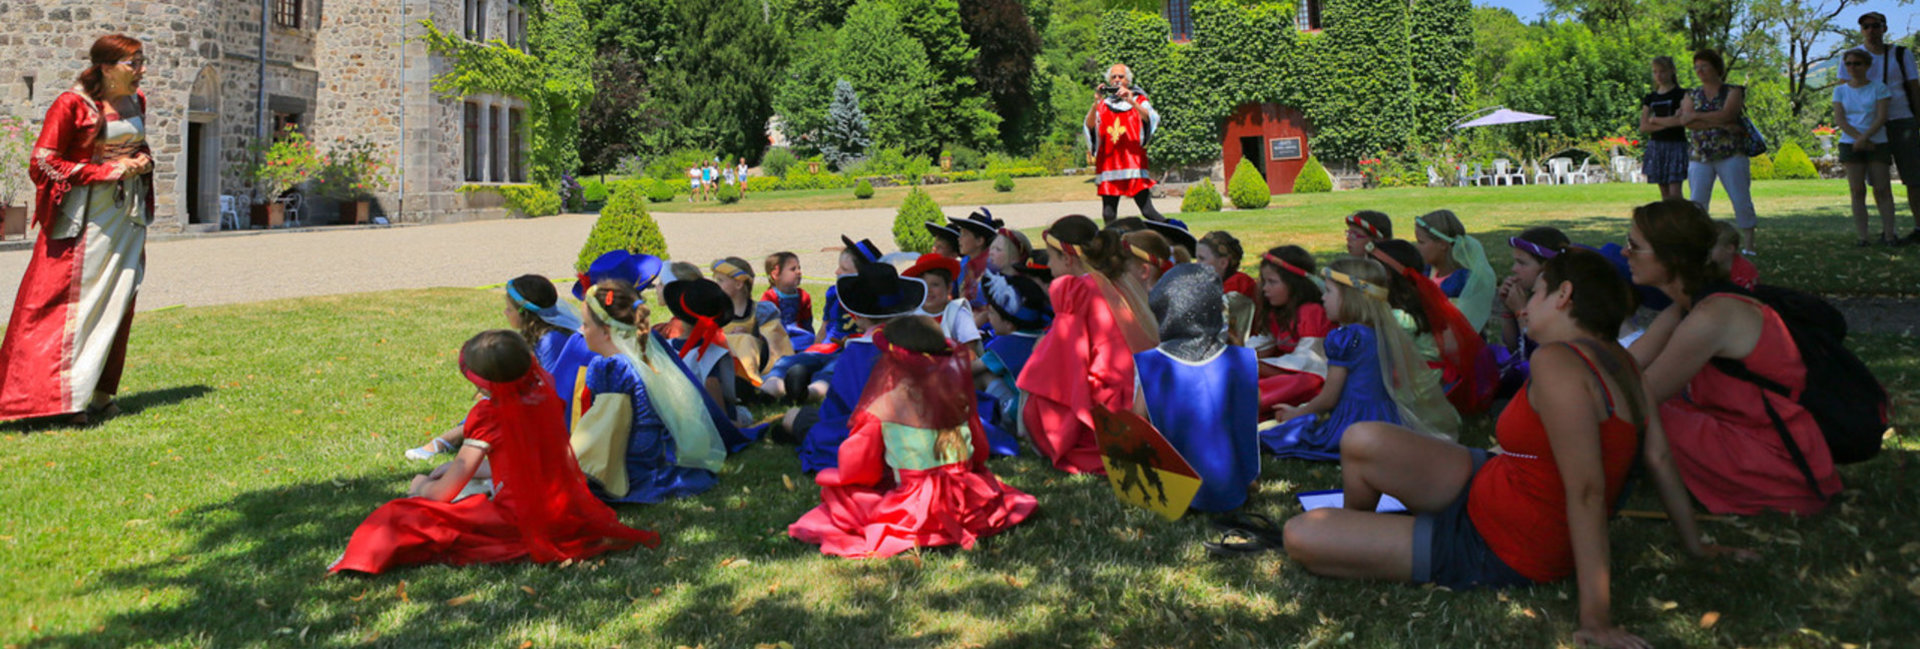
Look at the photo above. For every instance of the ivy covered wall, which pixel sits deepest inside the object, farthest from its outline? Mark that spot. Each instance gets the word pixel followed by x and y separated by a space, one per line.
pixel 553 79
pixel 1381 75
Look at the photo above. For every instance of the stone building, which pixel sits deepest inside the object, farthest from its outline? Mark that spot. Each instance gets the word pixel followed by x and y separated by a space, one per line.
pixel 336 68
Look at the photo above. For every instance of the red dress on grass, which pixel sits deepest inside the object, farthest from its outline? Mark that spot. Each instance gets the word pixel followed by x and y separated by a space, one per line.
pixel 895 489
pixel 1085 358
pixel 540 510
pixel 1728 451
pixel 1295 388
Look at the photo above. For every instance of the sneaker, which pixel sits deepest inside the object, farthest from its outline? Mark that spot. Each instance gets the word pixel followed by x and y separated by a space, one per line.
pixel 426 452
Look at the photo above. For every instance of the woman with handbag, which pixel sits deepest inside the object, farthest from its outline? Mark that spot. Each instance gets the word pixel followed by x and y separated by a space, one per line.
pixel 67 340
pixel 1724 140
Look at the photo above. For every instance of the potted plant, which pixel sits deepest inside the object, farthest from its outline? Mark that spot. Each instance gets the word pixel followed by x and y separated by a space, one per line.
pixel 351 173
pixel 278 166
pixel 16 144
pixel 1825 133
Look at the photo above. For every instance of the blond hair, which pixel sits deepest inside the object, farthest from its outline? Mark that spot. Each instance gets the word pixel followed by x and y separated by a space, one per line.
pixel 1414 386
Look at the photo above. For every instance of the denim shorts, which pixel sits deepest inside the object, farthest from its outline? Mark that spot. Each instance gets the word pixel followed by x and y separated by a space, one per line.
pixel 1448 551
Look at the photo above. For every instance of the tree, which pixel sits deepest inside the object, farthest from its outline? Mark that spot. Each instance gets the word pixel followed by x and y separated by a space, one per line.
pixel 889 71
pixel 1000 31
pixel 622 120
pixel 722 73
pixel 1804 24
pixel 844 138
pixel 1591 84
pixel 1497 32
pixel 965 115
pixel 808 78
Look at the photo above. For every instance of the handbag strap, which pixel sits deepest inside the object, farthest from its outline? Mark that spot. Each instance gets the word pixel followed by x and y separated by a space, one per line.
pixel 1739 370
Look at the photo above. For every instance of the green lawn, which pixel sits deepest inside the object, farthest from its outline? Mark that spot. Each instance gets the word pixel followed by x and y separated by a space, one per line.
pixel 257 436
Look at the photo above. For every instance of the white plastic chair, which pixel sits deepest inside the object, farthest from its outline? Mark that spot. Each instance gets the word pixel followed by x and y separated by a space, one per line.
pixel 230 213
pixel 293 201
pixel 1433 177
pixel 1562 170
pixel 1590 173
pixel 1479 176
pixel 1541 177
pixel 1504 171
pixel 1627 169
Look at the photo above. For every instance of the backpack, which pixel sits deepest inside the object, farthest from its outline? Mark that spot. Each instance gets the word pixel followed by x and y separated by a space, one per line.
pixel 1849 404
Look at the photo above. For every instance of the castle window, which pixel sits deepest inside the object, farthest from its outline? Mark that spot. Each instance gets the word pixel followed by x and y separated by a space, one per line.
pixel 476 19
pixel 286 13
pixel 470 142
pixel 1180 16
pixel 1309 16
pixel 28 82
pixel 516 165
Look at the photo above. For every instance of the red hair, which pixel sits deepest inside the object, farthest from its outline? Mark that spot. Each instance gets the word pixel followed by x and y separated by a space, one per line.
pixel 108 50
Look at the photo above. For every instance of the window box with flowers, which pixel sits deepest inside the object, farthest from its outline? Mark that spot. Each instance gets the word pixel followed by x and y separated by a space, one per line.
pixel 16 144
pixel 351 173
pixel 278 167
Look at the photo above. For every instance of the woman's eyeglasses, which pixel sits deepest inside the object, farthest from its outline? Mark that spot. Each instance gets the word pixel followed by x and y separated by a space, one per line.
pixel 1857 64
pixel 138 62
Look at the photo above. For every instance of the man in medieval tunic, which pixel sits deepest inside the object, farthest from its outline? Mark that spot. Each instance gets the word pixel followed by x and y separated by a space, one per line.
pixel 1118 127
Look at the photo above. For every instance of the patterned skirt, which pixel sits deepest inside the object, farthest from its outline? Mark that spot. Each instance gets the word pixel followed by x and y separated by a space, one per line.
pixel 1665 162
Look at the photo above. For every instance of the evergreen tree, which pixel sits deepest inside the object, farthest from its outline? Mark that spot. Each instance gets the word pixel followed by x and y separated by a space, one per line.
pixel 844 137
pixel 966 114
pixel 889 71
pixel 1004 67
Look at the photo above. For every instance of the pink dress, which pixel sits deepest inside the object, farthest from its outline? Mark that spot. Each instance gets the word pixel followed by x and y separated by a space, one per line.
pixel 1728 451
pixel 1084 359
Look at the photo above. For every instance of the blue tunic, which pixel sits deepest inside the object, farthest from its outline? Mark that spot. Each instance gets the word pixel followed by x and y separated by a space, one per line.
pixel 1005 356
pixel 1363 397
pixel 734 437
pixel 799 322
pixel 564 354
pixel 1210 412
pixel 820 449
pixel 838 323
pixel 1455 283
pixel 652 475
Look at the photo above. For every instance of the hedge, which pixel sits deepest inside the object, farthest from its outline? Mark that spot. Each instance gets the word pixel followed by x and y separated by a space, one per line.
pixel 593 191
pixel 1792 163
pixel 1760 167
pixel 1313 178
pixel 524 200
pixel 863 191
pixel 1201 198
pixel 1248 189
pixel 1003 182
pixel 909 233
pixel 624 224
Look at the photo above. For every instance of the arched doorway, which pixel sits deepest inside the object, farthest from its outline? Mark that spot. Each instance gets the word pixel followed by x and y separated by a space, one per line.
pixel 202 193
pixel 1272 137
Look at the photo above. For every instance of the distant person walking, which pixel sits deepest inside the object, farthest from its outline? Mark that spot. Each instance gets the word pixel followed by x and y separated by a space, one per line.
pixel 1665 159
pixel 741 173
pixel 1893 66
pixel 693 179
pixel 1715 117
pixel 66 343
pixel 1860 107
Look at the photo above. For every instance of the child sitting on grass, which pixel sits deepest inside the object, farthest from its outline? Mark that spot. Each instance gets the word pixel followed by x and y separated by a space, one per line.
pixel 783 290
pixel 912 472
pixel 1291 328
pixel 533 309
pixel 540 509
pixel 954 315
pixel 1198 391
pixel 874 295
pixel 790 377
pixel 701 308
pixel 754 332
pixel 1017 307
pixel 1458 263
pixel 1364 227
pixel 1726 255
pixel 647 435
pixel 1373 372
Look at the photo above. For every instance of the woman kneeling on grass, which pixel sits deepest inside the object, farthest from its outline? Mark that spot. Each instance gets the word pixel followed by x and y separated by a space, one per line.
pixel 1538 511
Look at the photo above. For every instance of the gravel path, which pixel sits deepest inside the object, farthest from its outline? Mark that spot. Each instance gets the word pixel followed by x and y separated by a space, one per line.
pixel 250 267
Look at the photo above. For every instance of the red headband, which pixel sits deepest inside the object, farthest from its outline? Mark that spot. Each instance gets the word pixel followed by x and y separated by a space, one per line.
pixel 1354 221
pixel 1145 256
pixel 1282 263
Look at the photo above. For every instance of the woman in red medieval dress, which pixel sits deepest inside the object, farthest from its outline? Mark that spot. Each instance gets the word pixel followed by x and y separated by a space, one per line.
pixel 66 343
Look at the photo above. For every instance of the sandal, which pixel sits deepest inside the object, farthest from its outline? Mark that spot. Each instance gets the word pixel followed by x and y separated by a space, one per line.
pixel 1236 543
pixel 106 410
pixel 1256 525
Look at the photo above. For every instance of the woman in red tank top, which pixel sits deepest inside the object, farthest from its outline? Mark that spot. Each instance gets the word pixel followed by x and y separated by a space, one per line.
pixel 1537 511
pixel 1728 450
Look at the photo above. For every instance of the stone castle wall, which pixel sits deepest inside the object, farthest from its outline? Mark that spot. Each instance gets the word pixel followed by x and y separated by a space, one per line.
pixel 354 68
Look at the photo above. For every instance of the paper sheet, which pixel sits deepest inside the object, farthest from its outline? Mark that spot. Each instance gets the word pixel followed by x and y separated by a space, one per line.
pixel 1313 500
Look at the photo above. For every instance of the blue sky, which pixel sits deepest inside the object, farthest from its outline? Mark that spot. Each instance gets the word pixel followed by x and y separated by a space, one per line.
pixel 1901 20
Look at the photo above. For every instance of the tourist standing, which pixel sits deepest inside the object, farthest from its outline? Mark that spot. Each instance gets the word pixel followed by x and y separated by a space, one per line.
pixel 1665 159
pixel 1716 118
pixel 1893 65
pixel 66 343
pixel 741 173
pixel 1118 127
pixel 1860 107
